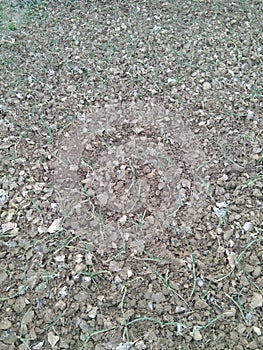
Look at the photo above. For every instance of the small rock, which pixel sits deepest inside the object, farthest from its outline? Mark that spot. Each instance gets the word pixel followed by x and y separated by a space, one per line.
pixel 150 220
pixel 52 339
pixel 222 205
pixel 241 328
pixel 129 273
pixel 123 220
pixel 63 291
pixel 199 282
pixel 206 86
pixel 9 226
pixel 125 346
pixel 257 330
pixel 257 301
pixel 172 81
pixel 158 298
pixel 28 318
pixel 60 259
pixel 71 88
pixel 114 266
pixel 103 199
pixel 4 346
pixel 3 196
pixel 180 309
pixel 5 324
pixel 196 333
pixel 38 346
pixel 3 277
pixel 220 212
pixel 200 304
pixel 248 226
pixel 250 115
pixel 60 305
pixel 93 312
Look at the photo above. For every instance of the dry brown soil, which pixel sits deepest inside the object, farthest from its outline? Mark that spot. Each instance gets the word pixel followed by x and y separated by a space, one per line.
pixel 131 187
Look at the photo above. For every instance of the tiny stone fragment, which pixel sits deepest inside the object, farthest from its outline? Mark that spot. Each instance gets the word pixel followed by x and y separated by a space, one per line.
pixel 114 266
pixel 248 226
pixel 257 330
pixel 9 226
pixel 206 86
pixel 5 324
pixel 196 333
pixel 125 346
pixel 123 220
pixel 38 346
pixel 52 339
pixel 3 196
pixel 257 301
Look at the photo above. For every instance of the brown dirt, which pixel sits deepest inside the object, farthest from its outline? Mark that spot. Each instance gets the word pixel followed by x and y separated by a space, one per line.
pixel 139 125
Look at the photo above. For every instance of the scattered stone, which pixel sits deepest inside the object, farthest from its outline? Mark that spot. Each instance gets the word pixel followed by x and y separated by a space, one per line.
pixel 103 199
pixel 5 324
pixel 199 282
pixel 29 316
pixel 206 86
pixel 93 312
pixel 3 197
pixel 248 226
pixel 125 346
pixel 196 333
pixel 9 226
pixel 256 301
pixel 200 304
pixel 158 298
pixel 115 266
pixel 63 291
pixel 129 273
pixel 250 115
pixel 123 220
pixel 38 346
pixel 52 339
pixel 257 330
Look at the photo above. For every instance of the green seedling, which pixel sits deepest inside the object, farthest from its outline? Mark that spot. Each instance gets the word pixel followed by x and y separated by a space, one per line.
pixel 11 26
pixel 238 260
pixel 209 323
pixel 139 224
pixel 92 206
pixel 165 279
pixel 53 324
pixel 90 166
pixel 38 209
pixel 208 189
pixel 94 333
pixel 150 257
pixel 21 290
pixel 138 196
pixel 133 170
pixel 65 244
pixel 193 267
pixel 150 319
pixel 104 142
pixel 101 223
pixel 49 130
pixel 20 337
pixel 239 305
pixel 205 293
pixel 93 275
pixel 251 181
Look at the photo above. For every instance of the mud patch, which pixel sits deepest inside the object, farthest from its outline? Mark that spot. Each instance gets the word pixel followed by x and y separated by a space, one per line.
pixel 121 171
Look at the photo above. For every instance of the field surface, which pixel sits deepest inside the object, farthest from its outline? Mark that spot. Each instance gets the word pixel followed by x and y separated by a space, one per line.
pixel 131 175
